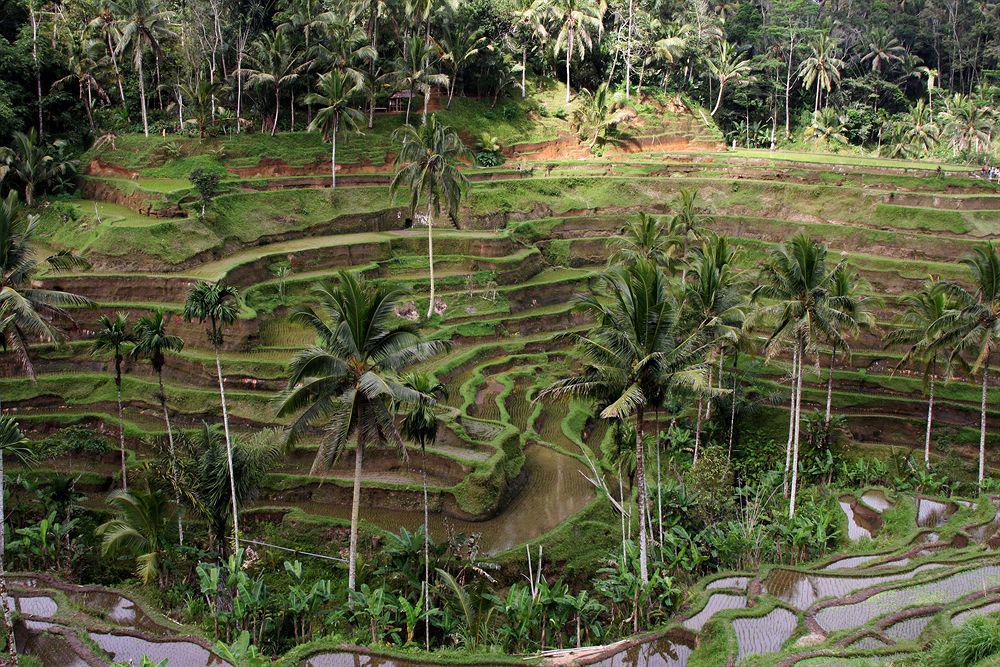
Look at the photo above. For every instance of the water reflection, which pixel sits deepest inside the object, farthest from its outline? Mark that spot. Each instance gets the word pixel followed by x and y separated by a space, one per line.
pixel 668 651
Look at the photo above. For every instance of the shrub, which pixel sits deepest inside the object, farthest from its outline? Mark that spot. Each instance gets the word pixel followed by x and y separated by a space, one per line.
pixel 74 440
pixel 975 641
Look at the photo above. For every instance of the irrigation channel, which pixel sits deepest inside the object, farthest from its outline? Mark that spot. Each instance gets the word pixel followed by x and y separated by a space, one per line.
pixel 866 605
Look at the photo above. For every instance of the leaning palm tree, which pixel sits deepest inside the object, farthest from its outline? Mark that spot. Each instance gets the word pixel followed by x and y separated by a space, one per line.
pixel 218 305
pixel 153 342
pixel 729 65
pixel 420 425
pixel 637 349
pixel 348 383
pixel 334 93
pixel 853 316
pixel 427 165
pixel 141 528
pixel 114 338
pixel 275 64
pixel 917 331
pixel 973 326
pixel 822 68
pixel 794 289
pixel 578 21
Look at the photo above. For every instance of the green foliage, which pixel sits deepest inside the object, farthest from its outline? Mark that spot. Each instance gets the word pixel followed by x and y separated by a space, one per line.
pixel 976 640
pixel 74 441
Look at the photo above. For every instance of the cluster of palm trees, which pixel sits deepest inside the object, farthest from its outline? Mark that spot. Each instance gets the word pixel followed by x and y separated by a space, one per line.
pixel 673 305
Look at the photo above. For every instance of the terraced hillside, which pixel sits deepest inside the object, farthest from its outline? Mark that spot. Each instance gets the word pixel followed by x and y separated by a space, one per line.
pixel 530 235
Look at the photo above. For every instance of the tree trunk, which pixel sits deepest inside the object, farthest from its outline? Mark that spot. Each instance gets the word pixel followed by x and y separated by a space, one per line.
pixel 798 419
pixel 524 71
pixel 173 458
pixel 829 383
pixel 430 254
pixel 239 86
pixel 628 53
pixel 788 87
pixel 277 109
pixel 791 423
pixel 333 154
pixel 732 403
pixel 142 94
pixel 718 100
pixel 697 432
pixel 7 620
pixel 121 419
pixel 118 73
pixel 427 566
pixel 229 450
pixel 982 423
pixel 930 419
pixel 38 69
pixel 640 472
pixel 569 57
pixel 355 511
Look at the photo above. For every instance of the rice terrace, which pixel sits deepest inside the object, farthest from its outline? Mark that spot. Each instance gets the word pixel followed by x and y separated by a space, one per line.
pixel 484 332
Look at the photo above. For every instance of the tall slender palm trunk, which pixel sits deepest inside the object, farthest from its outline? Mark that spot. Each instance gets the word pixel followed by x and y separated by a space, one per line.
pixel 427 566
pixel 173 458
pixel 229 450
pixel 829 383
pixel 142 95
pixel 121 418
pixel 930 419
pixel 352 558
pixel 697 432
pixel 569 57
pixel 524 70
pixel 982 423
pixel 640 473
pixel 277 110
pixel 333 153
pixel 798 420
pixel 430 255
pixel 791 423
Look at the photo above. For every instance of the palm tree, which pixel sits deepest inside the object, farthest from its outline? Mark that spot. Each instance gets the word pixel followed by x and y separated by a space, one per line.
pixel 420 425
pixel 113 337
pixel 345 48
pixel 636 349
pixel 973 325
pixel 141 25
pixel 729 65
pixel 852 316
pixel 427 165
pixel 29 162
pixel 827 126
pixel 882 50
pixel 334 93
pixel 224 474
pixel 822 68
pixel 686 223
pixel 417 70
pixel 348 382
pixel 794 287
pixel 598 112
pixel 642 238
pixel 13 442
pixel 141 528
pixel 153 342
pixel 918 133
pixel 83 55
pixel 578 20
pixel 202 93
pixel 917 330
pixel 460 44
pixel 275 64
pixel 218 305
pixel 967 124
pixel 529 22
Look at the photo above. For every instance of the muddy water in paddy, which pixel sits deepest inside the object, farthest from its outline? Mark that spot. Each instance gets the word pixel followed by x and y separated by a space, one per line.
pixel 554 489
pixel 716 603
pixel 982 610
pixel 128 649
pixel 764 634
pixel 664 652
pixel 877 500
pixel 862 522
pixel 800 589
pixel 51 649
pixel 729 582
pixel 933 513
pixel 907 629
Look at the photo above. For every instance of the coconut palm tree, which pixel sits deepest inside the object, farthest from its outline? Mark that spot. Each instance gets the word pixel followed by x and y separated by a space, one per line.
pixel 643 237
pixel 917 330
pixel 636 349
pixel 882 50
pixel 460 45
pixel 83 56
pixel 851 307
pixel 420 425
pixel 348 382
pixel 729 65
pixel 822 68
pixel 141 528
pixel 153 342
pixel 114 337
pixel 578 22
pixel 793 290
pixel 967 124
pixel 29 162
pixel 972 326
pixel 529 18
pixel 687 223
pixel 275 64
pixel 599 112
pixel 334 93
pixel 141 25
pixel 218 305
pixel 417 70
pixel 917 132
pixel 427 166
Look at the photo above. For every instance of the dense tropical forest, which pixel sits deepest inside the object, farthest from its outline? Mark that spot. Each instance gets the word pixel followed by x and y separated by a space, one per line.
pixel 562 332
